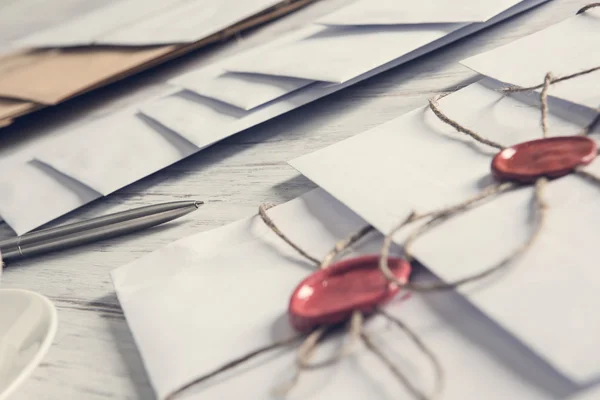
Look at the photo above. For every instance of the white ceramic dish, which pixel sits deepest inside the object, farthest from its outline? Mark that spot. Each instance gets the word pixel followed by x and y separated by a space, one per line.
pixel 28 324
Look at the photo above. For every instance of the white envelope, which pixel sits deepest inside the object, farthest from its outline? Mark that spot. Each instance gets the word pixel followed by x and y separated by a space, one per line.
pixel 396 12
pixel 144 22
pixel 199 120
pixel 115 151
pixel 200 302
pixel 206 299
pixel 562 49
pixel 245 91
pixel 416 162
pixel 20 204
pixel 340 53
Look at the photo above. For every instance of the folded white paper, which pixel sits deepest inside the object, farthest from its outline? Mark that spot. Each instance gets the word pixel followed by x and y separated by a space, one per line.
pixel 199 122
pixel 418 163
pixel 20 204
pixel 397 12
pixel 144 22
pixel 115 151
pixel 563 49
pixel 169 301
pixel 245 91
pixel 342 53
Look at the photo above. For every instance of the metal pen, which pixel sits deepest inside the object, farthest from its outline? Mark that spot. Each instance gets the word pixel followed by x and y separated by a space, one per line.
pixel 79 233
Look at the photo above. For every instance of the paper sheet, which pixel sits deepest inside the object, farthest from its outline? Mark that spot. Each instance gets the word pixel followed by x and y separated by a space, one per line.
pixel 590 394
pixel 418 163
pixel 199 120
pixel 143 22
pixel 396 12
pixel 562 49
pixel 337 54
pixel 22 17
pixel 70 163
pixel 52 76
pixel 340 54
pixel 117 150
pixel 23 211
pixel 10 108
pixel 252 274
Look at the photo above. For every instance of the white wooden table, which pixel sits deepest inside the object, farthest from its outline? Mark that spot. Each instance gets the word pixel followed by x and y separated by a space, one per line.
pixel 94 355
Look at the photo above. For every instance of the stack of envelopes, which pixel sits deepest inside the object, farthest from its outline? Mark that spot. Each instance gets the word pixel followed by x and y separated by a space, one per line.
pixel 114 41
pixel 530 332
pixel 206 105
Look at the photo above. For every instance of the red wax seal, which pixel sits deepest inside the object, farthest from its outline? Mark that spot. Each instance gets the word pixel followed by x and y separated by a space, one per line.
pixel 330 295
pixel 550 157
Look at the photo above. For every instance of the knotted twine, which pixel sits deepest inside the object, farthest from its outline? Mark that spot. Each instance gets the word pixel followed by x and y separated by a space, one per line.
pixel 306 349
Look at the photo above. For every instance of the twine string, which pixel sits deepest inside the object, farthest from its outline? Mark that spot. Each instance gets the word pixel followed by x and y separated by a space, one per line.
pixel 310 344
pixel 262 211
pixel 433 105
pixel 516 89
pixel 423 348
pixel 345 244
pixel 444 215
pixel 234 363
pixel 588 7
pixel 544 102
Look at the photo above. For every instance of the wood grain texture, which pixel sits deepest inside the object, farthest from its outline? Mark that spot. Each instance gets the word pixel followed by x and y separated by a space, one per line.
pixel 94 356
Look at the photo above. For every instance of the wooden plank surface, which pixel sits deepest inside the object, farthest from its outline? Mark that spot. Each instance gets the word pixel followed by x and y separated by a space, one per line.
pixel 94 356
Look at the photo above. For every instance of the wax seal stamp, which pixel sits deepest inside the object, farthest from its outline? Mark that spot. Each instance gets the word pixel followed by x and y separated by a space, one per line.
pixel 549 157
pixel 330 295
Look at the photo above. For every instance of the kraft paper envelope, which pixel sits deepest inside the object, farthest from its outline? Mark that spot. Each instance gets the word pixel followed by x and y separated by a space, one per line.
pixel 416 162
pixel 563 49
pixel 169 299
pixel 185 119
pixel 393 12
pixel 13 108
pixel 54 75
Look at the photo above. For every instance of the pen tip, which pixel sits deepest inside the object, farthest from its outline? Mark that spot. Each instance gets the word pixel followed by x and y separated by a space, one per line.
pixel 198 203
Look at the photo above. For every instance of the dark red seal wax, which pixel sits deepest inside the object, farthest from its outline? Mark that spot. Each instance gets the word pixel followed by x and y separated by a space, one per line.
pixel 550 157
pixel 330 295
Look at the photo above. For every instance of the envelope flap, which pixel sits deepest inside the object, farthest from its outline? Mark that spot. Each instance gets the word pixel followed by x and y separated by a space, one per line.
pixel 399 12
pixel 566 48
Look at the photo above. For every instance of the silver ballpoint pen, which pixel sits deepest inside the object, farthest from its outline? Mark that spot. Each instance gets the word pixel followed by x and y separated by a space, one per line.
pixel 79 233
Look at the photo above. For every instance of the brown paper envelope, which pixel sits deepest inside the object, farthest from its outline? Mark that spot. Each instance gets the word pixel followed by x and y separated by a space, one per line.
pixel 13 108
pixel 52 76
